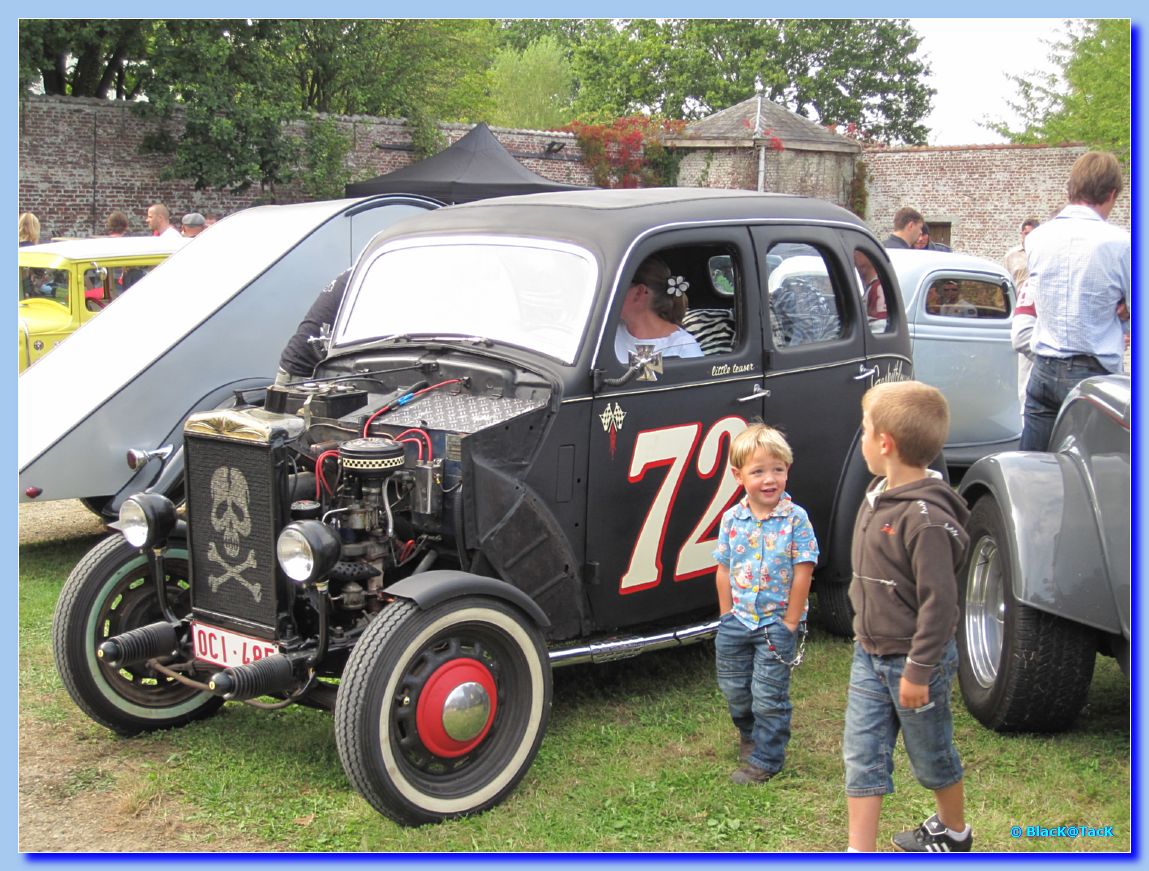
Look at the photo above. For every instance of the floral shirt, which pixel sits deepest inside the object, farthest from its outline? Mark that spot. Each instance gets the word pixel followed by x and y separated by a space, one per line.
pixel 761 555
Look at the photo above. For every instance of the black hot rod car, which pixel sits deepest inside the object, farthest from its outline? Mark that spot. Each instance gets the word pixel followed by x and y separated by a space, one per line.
pixel 474 489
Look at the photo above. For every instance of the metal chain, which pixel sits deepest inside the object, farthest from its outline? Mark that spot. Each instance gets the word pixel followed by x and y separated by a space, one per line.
pixel 798 657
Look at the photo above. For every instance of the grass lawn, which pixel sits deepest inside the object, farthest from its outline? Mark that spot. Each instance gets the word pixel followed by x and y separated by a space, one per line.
pixel 636 758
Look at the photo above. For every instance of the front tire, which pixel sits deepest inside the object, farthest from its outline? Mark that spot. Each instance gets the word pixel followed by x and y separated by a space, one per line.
pixel 441 712
pixel 109 592
pixel 1020 669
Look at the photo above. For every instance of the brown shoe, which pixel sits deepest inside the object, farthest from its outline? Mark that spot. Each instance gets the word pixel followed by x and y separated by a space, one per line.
pixel 750 774
pixel 745 748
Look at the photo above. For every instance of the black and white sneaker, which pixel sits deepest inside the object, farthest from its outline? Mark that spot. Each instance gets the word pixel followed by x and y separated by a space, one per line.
pixel 933 837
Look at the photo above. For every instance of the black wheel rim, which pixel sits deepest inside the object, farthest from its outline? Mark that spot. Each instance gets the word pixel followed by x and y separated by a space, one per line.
pixel 130 603
pixel 483 647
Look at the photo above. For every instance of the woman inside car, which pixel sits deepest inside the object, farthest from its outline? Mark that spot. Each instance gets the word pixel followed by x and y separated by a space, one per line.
pixel 652 312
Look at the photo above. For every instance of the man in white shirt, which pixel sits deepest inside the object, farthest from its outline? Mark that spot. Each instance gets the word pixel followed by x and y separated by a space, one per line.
pixel 1080 278
pixel 1015 259
pixel 159 221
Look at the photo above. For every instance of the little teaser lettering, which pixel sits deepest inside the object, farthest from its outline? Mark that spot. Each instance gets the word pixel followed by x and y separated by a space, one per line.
pixel 730 369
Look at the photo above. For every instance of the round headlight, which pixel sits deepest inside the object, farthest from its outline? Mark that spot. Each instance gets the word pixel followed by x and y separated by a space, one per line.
pixel 307 550
pixel 146 519
pixel 134 523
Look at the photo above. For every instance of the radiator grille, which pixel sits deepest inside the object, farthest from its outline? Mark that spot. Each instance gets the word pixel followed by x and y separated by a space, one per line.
pixel 232 509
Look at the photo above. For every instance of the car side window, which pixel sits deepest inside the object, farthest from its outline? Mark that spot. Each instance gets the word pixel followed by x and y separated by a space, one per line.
pixel 805 306
pixel 967 298
pixel 96 294
pixel 683 301
pixel 36 283
pixel 876 292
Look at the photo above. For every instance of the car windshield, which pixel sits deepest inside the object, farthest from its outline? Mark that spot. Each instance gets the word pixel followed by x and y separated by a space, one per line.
pixel 524 292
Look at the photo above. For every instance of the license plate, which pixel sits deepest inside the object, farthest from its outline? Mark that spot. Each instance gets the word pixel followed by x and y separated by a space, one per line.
pixel 226 648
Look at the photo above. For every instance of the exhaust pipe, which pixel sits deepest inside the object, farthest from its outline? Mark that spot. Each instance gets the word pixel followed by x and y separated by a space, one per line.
pixel 263 677
pixel 140 645
pixel 614 649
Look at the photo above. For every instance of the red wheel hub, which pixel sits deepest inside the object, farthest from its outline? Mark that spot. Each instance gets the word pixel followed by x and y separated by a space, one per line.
pixel 456 708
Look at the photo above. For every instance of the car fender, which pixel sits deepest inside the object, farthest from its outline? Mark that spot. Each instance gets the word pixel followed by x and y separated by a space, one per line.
pixel 159 478
pixel 1055 547
pixel 428 589
pixel 25 343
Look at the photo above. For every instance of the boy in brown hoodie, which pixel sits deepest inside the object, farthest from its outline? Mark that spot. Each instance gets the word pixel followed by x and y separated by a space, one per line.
pixel 908 540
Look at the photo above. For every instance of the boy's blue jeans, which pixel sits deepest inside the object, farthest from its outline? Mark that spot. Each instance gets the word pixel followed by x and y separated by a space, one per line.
pixel 874 717
pixel 756 685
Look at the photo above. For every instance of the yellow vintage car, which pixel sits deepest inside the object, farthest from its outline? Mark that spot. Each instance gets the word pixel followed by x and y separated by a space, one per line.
pixel 65 284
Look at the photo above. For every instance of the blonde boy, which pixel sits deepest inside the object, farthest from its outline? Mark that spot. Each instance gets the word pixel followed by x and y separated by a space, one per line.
pixel 766 552
pixel 908 540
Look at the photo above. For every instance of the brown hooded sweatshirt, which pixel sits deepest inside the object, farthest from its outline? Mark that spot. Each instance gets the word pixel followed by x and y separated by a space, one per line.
pixel 907 543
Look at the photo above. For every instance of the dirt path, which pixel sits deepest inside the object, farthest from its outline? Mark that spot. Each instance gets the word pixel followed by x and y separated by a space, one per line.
pixel 79 791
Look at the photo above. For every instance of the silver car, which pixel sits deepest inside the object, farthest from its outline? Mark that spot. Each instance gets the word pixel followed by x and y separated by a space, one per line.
pixel 1046 584
pixel 207 323
pixel 960 309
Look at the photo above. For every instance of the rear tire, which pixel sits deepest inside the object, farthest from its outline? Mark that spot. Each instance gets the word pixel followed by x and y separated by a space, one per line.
pixel 833 609
pixel 109 592
pixel 1020 669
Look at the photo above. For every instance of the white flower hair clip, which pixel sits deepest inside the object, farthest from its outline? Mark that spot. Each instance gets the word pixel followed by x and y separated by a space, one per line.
pixel 677 285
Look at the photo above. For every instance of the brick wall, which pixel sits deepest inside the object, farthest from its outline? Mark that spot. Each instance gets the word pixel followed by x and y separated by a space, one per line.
pixel 822 174
pixel 984 192
pixel 79 160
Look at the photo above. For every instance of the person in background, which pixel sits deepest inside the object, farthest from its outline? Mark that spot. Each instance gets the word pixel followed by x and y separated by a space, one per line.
pixel 907 228
pixel 1015 259
pixel 193 224
pixel 874 295
pixel 301 355
pixel 210 218
pixel 159 221
pixel 117 224
pixel 1021 336
pixel 1025 312
pixel 925 243
pixel 29 229
pixel 1080 276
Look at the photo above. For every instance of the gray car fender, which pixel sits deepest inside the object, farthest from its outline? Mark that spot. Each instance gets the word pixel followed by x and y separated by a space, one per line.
pixel 1053 542
pixel 161 478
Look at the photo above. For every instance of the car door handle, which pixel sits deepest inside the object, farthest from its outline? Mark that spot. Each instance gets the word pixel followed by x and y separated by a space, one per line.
pixel 759 392
pixel 864 373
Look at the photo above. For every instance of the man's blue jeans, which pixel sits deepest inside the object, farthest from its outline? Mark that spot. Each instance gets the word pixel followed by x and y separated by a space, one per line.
pixel 1049 383
pixel 757 685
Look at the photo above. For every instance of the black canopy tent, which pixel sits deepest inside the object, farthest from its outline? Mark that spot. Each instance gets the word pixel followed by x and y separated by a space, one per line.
pixel 474 168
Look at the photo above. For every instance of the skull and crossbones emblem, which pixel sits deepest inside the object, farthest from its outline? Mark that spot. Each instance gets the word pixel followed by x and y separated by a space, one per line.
pixel 231 517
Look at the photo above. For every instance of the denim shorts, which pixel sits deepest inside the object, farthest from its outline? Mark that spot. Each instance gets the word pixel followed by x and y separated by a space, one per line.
pixel 874 717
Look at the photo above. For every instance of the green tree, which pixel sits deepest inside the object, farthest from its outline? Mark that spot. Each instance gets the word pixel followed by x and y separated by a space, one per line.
pixel 855 72
pixel 324 175
pixel 1088 98
pixel 228 77
pixel 422 70
pixel 238 82
pixel 531 87
pixel 85 58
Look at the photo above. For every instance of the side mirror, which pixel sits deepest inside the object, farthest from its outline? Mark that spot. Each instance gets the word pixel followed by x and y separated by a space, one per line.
pixel 645 365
